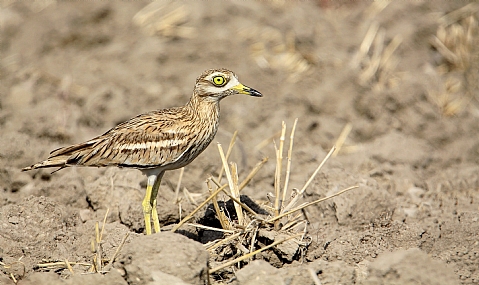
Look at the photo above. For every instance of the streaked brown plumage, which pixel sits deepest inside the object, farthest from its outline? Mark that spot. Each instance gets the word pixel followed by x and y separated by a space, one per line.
pixel 158 140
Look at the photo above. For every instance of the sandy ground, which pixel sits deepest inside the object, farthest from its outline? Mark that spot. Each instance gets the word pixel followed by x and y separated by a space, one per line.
pixel 72 70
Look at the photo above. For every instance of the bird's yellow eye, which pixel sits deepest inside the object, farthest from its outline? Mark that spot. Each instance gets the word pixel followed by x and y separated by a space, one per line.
pixel 219 81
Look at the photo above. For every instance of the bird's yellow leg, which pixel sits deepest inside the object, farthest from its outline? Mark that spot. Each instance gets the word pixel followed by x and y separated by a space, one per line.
pixel 147 203
pixel 154 196
pixel 154 215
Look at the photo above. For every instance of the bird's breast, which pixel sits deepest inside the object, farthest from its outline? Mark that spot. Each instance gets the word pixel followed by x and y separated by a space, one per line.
pixel 201 132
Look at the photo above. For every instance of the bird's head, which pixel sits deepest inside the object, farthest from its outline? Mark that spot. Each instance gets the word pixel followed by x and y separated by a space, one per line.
pixel 216 84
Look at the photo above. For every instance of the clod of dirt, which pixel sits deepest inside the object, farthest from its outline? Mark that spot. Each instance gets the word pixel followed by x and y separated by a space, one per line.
pixel 161 278
pixel 261 272
pixel 145 257
pixel 287 250
pixel 411 266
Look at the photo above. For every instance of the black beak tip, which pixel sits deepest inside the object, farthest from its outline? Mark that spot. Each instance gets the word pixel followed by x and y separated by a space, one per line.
pixel 255 93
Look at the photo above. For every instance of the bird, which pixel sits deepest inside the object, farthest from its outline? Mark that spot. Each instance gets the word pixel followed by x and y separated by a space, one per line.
pixel 157 141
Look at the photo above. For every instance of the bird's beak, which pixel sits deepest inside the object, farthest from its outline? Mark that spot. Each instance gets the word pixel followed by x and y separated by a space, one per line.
pixel 241 89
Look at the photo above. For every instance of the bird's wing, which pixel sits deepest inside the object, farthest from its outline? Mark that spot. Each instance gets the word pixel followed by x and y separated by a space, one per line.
pixel 149 140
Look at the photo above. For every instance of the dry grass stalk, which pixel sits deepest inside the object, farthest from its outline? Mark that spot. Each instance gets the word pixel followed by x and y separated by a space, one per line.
pixel 342 138
pixel 178 185
pixel 69 267
pixel 375 8
pixel 251 254
pixel 231 181
pixel 117 252
pixel 190 215
pixel 215 244
pixel 61 264
pixel 211 228
pixel 235 193
pixel 165 19
pixel 305 205
pixel 388 62
pixel 365 44
pixel 180 211
pixel 267 141
pixel 444 51
pixel 459 14
pixel 274 49
pixel 213 195
pixel 306 185
pixel 253 239
pixel 97 264
pixel 277 176
pixel 372 66
pixel 293 223
pixel 97 260
pixel 375 62
pixel 288 166
pixel 457 41
pixel 244 206
pixel 225 224
pixel 350 149
pixel 228 153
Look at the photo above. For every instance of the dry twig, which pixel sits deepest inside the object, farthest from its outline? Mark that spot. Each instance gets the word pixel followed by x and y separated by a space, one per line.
pixel 246 256
pixel 232 178
pixel 300 193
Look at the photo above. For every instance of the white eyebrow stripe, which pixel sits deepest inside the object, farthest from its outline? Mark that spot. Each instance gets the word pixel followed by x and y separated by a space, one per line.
pixel 213 89
pixel 150 144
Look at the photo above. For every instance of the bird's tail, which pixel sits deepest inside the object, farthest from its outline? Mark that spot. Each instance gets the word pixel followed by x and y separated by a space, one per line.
pixel 50 162
pixel 64 157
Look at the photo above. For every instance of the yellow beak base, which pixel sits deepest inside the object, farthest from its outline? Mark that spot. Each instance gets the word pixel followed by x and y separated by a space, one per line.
pixel 241 89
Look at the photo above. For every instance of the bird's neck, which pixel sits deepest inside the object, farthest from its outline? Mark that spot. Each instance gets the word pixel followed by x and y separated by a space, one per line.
pixel 204 107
